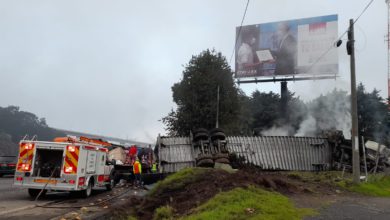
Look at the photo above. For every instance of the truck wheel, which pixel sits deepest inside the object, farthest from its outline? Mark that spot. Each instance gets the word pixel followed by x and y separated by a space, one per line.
pixel 87 192
pixel 205 163
pixel 110 185
pixel 34 192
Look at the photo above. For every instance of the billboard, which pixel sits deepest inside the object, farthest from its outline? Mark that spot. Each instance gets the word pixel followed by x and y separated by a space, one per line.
pixel 287 48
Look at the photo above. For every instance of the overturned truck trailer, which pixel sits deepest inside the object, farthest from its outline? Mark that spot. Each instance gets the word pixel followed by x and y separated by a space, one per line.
pixel 267 152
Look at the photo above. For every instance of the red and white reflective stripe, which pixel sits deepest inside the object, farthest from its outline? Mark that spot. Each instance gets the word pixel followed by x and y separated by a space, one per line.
pixel 26 154
pixel 71 159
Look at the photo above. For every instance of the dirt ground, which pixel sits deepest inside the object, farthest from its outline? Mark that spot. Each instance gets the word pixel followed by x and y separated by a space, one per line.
pixel 184 199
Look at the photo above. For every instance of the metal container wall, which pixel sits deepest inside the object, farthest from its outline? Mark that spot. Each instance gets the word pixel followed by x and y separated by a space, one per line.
pixel 268 152
pixel 282 152
pixel 175 154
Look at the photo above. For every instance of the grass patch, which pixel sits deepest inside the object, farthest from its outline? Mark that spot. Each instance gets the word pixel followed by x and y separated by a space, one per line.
pixel 179 180
pixel 250 203
pixel 323 177
pixel 377 185
pixel 163 213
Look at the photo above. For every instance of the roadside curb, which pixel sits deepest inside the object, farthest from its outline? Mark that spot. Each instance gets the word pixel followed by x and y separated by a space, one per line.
pixel 24 208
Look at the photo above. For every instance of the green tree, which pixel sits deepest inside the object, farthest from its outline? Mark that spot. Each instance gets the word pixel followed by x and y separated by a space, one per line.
pixel 265 108
pixel 18 123
pixel 196 96
pixel 372 114
pixel 267 113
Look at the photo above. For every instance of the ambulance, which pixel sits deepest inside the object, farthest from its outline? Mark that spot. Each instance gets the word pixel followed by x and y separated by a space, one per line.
pixel 76 165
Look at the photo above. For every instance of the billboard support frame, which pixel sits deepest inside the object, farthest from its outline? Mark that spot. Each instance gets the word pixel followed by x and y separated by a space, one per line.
pixel 285 79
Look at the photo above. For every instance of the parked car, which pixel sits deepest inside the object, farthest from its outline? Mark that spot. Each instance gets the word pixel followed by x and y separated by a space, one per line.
pixel 7 165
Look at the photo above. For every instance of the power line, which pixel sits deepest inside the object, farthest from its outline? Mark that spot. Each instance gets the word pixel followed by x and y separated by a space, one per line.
pixel 239 31
pixel 338 39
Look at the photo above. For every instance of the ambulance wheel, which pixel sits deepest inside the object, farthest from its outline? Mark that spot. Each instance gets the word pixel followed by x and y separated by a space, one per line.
pixel 88 191
pixel 34 192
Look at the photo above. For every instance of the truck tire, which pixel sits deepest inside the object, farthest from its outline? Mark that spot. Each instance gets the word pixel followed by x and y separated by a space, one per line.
pixel 112 183
pixel 88 191
pixel 221 155
pixel 34 192
pixel 200 134
pixel 222 160
pixel 205 163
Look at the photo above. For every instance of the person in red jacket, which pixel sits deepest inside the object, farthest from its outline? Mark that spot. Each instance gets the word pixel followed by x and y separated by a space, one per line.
pixel 137 171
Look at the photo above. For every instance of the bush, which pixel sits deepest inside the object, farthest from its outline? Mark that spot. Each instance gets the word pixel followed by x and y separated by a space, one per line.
pixel 163 213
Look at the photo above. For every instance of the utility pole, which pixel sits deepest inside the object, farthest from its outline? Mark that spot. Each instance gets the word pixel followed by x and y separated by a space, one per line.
pixel 217 122
pixel 355 139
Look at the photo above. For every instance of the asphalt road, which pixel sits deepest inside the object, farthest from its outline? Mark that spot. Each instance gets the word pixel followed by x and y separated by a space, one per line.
pixel 356 208
pixel 16 204
pixel 11 197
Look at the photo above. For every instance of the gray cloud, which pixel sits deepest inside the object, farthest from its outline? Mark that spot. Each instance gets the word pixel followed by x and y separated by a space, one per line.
pixel 107 67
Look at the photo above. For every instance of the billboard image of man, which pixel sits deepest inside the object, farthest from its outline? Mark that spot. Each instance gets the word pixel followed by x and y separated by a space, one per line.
pixel 286 53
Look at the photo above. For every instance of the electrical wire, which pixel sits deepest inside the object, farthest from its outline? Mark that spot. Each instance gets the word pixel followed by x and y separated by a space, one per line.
pixel 239 31
pixel 341 36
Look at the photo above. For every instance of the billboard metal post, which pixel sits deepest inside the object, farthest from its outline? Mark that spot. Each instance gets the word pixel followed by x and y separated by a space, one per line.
pixel 355 136
pixel 284 100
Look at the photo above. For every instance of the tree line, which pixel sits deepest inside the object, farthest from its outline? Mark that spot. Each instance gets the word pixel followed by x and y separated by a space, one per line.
pixel 260 113
pixel 15 124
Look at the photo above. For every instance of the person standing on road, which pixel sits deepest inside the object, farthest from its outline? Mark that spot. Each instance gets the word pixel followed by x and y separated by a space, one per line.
pixel 137 170
pixel 154 167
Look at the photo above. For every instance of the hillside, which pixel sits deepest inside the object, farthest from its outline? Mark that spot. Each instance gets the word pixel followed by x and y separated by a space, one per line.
pixel 15 124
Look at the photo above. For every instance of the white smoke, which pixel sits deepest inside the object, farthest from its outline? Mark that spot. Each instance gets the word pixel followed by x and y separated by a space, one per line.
pixel 278 131
pixel 307 127
pixel 331 111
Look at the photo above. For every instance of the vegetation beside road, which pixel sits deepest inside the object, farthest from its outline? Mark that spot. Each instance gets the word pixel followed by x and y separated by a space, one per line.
pixel 178 180
pixel 377 185
pixel 204 193
pixel 249 203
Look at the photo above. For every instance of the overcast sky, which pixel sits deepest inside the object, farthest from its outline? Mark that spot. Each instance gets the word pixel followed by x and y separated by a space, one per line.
pixel 107 67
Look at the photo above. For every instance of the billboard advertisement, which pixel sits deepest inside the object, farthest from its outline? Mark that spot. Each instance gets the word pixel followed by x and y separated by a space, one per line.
pixel 286 48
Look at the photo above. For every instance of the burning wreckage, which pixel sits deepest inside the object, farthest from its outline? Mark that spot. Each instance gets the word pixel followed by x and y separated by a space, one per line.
pixel 373 155
pixel 210 148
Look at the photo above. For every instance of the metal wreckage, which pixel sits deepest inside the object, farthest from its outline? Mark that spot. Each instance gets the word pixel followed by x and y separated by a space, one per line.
pixel 330 151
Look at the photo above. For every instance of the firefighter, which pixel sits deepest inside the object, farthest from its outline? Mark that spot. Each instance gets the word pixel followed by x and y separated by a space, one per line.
pixel 154 167
pixel 137 171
